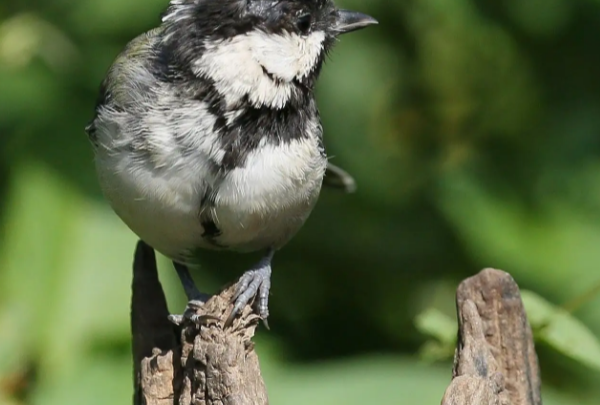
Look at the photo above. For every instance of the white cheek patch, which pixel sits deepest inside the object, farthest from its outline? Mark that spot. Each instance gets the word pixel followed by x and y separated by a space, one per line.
pixel 287 56
pixel 236 74
pixel 238 65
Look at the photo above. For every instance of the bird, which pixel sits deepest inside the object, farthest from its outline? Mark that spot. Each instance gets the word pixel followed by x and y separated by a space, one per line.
pixel 207 136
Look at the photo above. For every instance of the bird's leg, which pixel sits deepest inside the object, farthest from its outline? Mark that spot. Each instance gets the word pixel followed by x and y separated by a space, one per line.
pixel 195 298
pixel 187 282
pixel 255 282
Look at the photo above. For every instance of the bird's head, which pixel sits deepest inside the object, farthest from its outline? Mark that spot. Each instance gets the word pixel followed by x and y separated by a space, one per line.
pixel 242 43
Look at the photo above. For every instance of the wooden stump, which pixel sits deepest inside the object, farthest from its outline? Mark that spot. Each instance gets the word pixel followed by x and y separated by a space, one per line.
pixel 192 364
pixel 495 361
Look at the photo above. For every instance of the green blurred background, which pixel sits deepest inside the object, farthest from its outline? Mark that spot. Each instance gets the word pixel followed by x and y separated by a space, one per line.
pixel 472 128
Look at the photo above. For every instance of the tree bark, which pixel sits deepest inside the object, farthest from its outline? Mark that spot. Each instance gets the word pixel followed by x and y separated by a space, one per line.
pixel 192 364
pixel 495 361
pixel 205 363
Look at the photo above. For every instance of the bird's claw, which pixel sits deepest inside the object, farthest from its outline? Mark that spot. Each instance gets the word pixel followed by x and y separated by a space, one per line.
pixel 254 283
pixel 190 314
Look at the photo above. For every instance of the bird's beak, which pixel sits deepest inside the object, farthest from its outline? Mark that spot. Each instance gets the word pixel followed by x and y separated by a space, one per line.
pixel 348 21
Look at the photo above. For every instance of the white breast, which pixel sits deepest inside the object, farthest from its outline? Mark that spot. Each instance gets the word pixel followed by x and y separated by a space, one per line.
pixel 158 194
pixel 160 207
pixel 265 202
pixel 260 205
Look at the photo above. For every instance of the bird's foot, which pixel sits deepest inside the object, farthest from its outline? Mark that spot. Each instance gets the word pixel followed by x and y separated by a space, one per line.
pixel 191 312
pixel 255 282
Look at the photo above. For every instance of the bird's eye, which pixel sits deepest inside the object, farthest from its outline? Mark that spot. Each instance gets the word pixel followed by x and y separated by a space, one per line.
pixel 303 23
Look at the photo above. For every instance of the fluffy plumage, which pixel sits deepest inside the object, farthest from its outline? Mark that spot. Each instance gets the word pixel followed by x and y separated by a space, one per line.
pixel 207 134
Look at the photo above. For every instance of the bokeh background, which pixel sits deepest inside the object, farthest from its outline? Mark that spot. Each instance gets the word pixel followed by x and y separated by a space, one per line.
pixel 472 128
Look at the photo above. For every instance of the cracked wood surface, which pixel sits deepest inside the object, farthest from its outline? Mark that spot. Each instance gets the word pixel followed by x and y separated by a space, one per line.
pixel 495 361
pixel 191 364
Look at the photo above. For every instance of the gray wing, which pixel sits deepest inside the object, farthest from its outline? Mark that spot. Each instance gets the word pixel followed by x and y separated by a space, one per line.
pixel 122 81
pixel 338 178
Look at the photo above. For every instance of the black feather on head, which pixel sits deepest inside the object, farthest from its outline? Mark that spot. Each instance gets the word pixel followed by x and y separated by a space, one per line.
pixel 190 24
pixel 222 19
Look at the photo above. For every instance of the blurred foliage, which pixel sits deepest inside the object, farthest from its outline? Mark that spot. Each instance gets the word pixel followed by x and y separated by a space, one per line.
pixel 473 130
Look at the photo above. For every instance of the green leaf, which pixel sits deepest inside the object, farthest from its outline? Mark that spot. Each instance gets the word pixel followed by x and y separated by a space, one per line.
pixel 434 323
pixel 561 330
pixel 66 274
pixel 442 328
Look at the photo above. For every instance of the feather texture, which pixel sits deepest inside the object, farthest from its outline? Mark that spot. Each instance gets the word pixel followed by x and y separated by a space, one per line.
pixel 212 141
